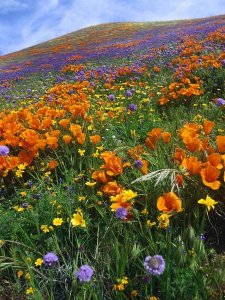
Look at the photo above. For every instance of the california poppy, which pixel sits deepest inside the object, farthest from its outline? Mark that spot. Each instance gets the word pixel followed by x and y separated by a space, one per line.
pixel 169 202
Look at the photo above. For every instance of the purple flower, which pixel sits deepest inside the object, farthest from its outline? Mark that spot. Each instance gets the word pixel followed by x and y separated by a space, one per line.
pixel 132 107
pixel 155 265
pixel 84 273
pixel 129 94
pixel 50 258
pixel 138 163
pixel 220 101
pixel 121 213
pixel 111 97
pixel 4 150
pixel 24 205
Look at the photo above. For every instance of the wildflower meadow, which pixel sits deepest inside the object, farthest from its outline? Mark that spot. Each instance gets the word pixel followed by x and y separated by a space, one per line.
pixel 112 164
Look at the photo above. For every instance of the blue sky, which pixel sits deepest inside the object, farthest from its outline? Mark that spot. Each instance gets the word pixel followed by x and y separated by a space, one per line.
pixel 24 23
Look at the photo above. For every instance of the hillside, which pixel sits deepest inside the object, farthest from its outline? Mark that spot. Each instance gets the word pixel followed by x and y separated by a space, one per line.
pixel 112 164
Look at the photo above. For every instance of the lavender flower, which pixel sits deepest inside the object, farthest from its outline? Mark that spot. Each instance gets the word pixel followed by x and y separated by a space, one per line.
pixel 111 97
pixel 155 265
pixel 132 107
pixel 138 163
pixel 4 150
pixel 129 94
pixel 220 101
pixel 84 273
pixel 50 258
pixel 121 213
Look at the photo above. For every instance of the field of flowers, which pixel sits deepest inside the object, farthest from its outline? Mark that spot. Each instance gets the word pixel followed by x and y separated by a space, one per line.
pixel 112 164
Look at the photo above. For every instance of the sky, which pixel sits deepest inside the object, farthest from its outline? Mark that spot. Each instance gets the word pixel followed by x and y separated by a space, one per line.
pixel 24 23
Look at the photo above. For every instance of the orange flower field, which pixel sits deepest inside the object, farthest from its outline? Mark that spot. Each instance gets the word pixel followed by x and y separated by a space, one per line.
pixel 112 164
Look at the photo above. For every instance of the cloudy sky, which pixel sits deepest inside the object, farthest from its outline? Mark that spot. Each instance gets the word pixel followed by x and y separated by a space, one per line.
pixel 24 23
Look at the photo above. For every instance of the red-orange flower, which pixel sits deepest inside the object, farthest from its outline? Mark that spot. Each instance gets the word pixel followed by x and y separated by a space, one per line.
pixel 100 176
pixel 95 139
pixel 67 139
pixel 112 188
pixel 215 160
pixel 169 202
pixel 53 164
pixel 209 176
pixel 166 136
pixel 208 126
pixel 192 165
pixel 113 164
pixel 220 140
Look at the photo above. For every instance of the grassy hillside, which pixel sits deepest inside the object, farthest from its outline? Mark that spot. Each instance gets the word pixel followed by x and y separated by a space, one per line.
pixel 112 164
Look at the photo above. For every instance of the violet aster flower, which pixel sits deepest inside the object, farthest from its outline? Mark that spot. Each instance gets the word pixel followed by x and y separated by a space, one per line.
pixel 111 97
pixel 50 258
pixel 84 273
pixel 132 107
pixel 4 150
pixel 129 93
pixel 121 213
pixel 220 101
pixel 138 163
pixel 155 265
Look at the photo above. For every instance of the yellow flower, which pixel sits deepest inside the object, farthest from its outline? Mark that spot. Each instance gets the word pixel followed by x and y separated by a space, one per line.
pixel 29 291
pixel 208 202
pixel 19 273
pixel 134 293
pixel 27 276
pixel 89 183
pixel 144 211
pixel 96 154
pixel 19 173
pixel 18 208
pixel 124 280
pixel 81 198
pixel 81 152
pixel 57 221
pixel 45 228
pixel 21 167
pixel 118 287
pixel 150 224
pixel 38 262
pixel 2 242
pixel 164 220
pixel 23 194
pixel 78 220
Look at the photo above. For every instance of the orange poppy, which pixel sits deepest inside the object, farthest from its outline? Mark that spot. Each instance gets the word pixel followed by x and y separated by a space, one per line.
pixel 209 176
pixel 95 139
pixel 169 202
pixel 220 140
pixel 215 160
pixel 53 164
pixel 64 123
pixel 208 126
pixel 113 164
pixel 192 165
pixel 112 188
pixel 166 136
pixel 144 168
pixel 100 176
pixel 179 155
pixel 67 139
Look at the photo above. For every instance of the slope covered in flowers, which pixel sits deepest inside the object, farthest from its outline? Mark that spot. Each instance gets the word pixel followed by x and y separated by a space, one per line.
pixel 112 164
